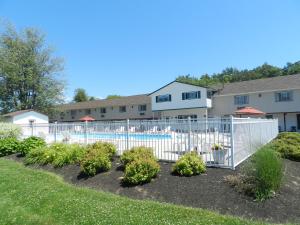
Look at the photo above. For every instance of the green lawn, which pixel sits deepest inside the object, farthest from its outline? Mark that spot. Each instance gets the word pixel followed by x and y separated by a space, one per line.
pixel 36 197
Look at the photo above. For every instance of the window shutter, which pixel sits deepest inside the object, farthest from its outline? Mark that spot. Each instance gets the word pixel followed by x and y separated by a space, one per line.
pixel 183 96
pixel 199 94
pixel 170 98
pixel 156 97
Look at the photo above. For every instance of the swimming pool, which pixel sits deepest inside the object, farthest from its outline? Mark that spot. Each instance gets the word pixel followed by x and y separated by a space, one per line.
pixel 135 136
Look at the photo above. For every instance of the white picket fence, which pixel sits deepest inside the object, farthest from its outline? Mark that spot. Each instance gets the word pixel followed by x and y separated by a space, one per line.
pixel 237 138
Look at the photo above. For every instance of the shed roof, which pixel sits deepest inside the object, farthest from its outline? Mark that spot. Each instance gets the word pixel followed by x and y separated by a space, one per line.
pixel 16 113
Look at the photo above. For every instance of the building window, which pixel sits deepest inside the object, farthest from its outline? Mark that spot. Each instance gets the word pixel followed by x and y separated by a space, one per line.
pixel 298 121
pixel 73 112
pixel 163 98
pixel 241 100
pixel 62 115
pixel 193 117
pixel 142 108
pixel 191 95
pixel 284 96
pixel 269 116
pixel 102 110
pixel 88 111
pixel 122 109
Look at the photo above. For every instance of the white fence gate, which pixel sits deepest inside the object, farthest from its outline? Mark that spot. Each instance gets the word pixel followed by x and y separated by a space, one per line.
pixel 222 142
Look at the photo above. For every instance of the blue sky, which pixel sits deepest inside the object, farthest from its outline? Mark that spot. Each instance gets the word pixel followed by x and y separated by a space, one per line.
pixel 132 47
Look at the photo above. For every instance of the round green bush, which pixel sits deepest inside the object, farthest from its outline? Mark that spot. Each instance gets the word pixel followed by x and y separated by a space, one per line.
pixel 109 148
pixel 31 143
pixel 189 164
pixel 137 153
pixel 288 145
pixel 95 161
pixel 141 171
pixel 9 146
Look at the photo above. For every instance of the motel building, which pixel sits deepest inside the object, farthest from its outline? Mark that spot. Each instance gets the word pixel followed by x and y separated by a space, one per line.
pixel 278 97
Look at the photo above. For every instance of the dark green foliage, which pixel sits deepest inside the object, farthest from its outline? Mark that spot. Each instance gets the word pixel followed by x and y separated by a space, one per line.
pixel 31 143
pixel 288 145
pixel 230 74
pixel 264 172
pixel 29 74
pixel 95 160
pixel 141 171
pixel 137 153
pixel 189 164
pixel 9 146
pixel 80 95
pixel 113 96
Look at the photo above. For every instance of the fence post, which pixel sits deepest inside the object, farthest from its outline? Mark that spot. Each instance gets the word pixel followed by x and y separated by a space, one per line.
pixel 55 131
pixel 189 134
pixel 232 141
pixel 86 132
pixel 127 134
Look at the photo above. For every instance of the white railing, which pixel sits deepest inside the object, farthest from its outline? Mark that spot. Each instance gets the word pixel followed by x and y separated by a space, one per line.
pixel 169 138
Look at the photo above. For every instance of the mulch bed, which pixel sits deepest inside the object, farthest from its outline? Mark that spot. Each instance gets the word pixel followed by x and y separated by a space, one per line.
pixel 207 191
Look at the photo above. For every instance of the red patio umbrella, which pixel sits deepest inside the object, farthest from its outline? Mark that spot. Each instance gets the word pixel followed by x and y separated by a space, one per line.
pixel 87 119
pixel 249 111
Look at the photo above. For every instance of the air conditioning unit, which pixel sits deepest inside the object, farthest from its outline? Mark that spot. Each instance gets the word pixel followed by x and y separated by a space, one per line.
pixel 102 116
pixel 142 114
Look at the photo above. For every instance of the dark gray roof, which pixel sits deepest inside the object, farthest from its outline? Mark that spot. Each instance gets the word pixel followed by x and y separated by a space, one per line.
pixel 15 113
pixel 265 84
pixel 128 100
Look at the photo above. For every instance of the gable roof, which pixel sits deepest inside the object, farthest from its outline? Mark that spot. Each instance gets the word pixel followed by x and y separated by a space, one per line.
pixel 287 82
pixel 128 100
pixel 16 113
pixel 175 81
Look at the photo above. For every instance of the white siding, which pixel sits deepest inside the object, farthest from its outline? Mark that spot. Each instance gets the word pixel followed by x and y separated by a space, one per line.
pixel 175 90
pixel 224 105
pixel 24 118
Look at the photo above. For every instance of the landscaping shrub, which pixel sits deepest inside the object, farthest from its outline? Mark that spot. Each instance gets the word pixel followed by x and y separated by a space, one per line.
pixel 38 156
pixel 9 146
pixel 58 154
pixel 68 154
pixel 109 148
pixel 141 170
pixel 264 172
pixel 189 164
pixel 137 153
pixel 94 161
pixel 31 143
pixel 10 130
pixel 288 145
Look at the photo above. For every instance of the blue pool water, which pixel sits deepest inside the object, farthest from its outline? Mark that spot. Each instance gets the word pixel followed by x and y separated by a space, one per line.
pixel 123 136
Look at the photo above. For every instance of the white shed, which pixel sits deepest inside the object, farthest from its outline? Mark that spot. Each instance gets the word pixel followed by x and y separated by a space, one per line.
pixel 32 122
